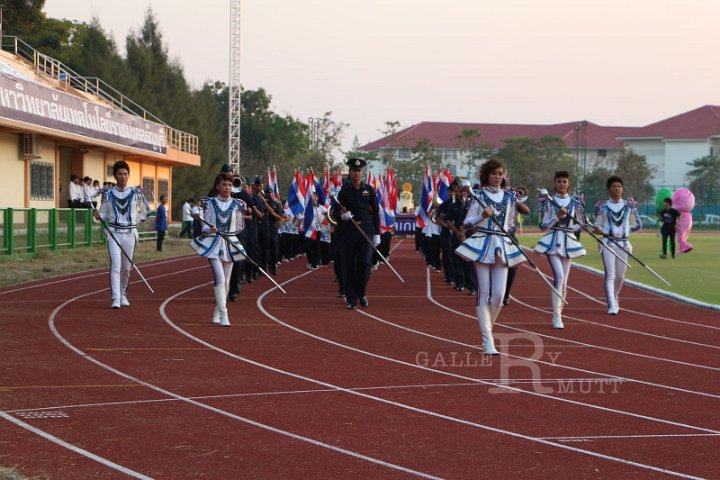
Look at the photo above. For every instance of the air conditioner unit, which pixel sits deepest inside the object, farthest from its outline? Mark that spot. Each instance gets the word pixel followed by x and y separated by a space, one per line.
pixel 29 146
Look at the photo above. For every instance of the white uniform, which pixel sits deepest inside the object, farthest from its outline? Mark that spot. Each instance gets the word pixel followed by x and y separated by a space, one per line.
pixel 560 244
pixel 493 252
pixel 615 220
pixel 122 210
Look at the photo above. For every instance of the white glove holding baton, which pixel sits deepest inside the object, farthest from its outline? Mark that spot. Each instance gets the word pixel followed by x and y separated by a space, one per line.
pixel 376 240
pixel 347 215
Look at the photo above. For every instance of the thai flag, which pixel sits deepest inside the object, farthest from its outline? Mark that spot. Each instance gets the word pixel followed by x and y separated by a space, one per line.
pixel 337 179
pixel 426 196
pixel 272 182
pixel 309 220
pixel 386 218
pixel 296 195
pixel 321 192
pixel 327 183
pixel 443 185
pixel 391 189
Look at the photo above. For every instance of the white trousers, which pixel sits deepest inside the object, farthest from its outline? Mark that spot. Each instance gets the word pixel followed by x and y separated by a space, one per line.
pixel 120 265
pixel 614 272
pixel 221 272
pixel 491 281
pixel 561 271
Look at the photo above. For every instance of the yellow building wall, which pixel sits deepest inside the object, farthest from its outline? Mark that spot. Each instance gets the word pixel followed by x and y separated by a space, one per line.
pixel 94 165
pixel 12 195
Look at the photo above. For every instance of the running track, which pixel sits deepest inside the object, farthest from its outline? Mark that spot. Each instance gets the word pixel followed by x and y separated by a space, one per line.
pixel 300 387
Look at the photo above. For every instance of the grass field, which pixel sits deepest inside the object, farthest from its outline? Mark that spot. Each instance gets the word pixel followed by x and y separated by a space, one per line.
pixel 695 274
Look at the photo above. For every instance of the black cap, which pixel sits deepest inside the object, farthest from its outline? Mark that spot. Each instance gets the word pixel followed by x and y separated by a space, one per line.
pixel 356 163
pixel 259 180
pixel 226 168
pixel 268 189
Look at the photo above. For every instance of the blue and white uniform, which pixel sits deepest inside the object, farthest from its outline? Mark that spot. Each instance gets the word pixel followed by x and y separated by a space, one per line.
pixel 560 244
pixel 221 248
pixel 616 220
pixel 122 211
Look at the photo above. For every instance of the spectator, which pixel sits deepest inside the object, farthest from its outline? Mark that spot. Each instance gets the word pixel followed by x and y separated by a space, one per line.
pixel 187 219
pixel 74 193
pixel 161 222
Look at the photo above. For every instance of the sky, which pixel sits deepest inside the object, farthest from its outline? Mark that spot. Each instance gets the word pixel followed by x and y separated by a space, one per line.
pixel 612 62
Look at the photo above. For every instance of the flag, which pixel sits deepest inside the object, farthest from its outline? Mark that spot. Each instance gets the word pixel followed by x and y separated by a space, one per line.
pixel 426 196
pixel 386 218
pixel 337 179
pixel 274 184
pixel 442 186
pixel 309 220
pixel 296 195
pixel 391 188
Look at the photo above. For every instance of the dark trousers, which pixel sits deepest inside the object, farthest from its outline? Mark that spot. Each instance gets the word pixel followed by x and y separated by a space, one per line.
pixel 668 234
pixel 273 248
pixel 186 229
pixel 356 265
pixel 432 251
pixel 160 238
pixel 447 254
pixel 312 251
pixel 263 246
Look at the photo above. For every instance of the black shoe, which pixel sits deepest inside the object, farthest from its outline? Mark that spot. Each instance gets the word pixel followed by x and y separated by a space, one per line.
pixel 364 302
pixel 471 292
pixel 506 301
pixel 341 294
pixel 232 297
pixel 350 306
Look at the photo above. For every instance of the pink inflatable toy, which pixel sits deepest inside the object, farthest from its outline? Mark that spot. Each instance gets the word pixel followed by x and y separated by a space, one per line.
pixel 683 201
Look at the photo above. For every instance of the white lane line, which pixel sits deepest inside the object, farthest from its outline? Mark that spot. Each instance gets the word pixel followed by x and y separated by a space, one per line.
pixel 598 347
pixel 100 272
pixel 622 437
pixel 422 386
pixel 64 341
pixel 74 448
pixel 641 286
pixel 409 407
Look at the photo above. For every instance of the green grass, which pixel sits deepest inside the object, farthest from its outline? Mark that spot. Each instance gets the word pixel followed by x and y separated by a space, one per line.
pixel 695 274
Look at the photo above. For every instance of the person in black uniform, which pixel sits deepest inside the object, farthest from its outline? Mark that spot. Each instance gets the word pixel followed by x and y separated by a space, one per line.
pixel 361 204
pixel 668 216
pixel 263 245
pixel 275 216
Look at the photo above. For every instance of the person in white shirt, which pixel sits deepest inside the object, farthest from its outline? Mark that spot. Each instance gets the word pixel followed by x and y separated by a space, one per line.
pixel 187 219
pixel 123 207
pixel 614 220
pixel 74 193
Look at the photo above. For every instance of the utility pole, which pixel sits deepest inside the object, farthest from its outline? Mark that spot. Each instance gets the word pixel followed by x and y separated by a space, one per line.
pixel 234 88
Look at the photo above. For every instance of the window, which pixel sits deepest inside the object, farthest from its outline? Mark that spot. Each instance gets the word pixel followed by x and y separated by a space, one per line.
pixel 42 180
pixel 162 187
pixel 452 168
pixel 149 188
pixel 602 152
pixel 404 154
pixel 109 171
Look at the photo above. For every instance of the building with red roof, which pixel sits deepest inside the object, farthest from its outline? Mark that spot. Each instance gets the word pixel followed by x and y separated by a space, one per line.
pixel 668 144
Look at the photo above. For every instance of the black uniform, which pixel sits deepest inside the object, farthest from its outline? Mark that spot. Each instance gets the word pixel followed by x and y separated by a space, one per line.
pixel 355 250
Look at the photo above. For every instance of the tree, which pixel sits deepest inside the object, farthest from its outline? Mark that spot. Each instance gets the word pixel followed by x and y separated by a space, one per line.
pixel 533 163
pixel 388 154
pixel 467 141
pixel 636 174
pixel 22 18
pixel 704 179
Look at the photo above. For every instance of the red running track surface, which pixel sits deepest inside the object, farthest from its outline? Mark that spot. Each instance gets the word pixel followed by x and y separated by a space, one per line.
pixel 300 387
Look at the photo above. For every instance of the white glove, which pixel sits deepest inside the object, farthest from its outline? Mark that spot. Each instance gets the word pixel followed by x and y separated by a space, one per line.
pixel 347 215
pixel 376 240
pixel 544 192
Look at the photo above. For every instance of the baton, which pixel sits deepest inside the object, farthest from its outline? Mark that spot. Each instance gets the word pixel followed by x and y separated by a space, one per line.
pixel 335 199
pixel 552 200
pixel 243 252
pixel 637 260
pixel 107 229
pixel 517 245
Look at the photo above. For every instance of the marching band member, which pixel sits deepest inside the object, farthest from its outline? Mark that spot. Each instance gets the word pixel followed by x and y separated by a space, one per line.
pixel 224 218
pixel 361 204
pixel 560 243
pixel 121 209
pixel 491 250
pixel 614 220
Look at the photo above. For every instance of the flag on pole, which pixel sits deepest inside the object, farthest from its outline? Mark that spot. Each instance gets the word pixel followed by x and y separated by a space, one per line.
pixel 426 196
pixel 309 226
pixel 296 195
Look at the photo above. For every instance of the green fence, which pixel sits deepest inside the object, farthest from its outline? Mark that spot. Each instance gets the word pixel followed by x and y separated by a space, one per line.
pixel 26 230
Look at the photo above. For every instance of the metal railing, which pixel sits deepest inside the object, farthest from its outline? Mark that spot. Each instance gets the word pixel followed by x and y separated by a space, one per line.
pixel 27 230
pixel 46 65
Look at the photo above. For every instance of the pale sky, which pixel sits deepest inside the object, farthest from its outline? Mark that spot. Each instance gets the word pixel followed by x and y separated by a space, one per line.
pixel 612 62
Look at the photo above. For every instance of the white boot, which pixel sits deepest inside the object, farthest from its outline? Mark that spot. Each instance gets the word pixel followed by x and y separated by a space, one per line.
pixel 494 312
pixel 216 315
pixel 220 299
pixel 557 304
pixel 485 320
